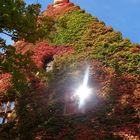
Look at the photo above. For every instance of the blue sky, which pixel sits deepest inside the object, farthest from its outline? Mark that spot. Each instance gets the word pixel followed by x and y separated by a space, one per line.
pixel 122 15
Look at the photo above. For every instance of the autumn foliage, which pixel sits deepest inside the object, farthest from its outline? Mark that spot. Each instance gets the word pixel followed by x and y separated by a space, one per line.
pixel 56 12
pixel 44 50
pixel 78 40
pixel 5 83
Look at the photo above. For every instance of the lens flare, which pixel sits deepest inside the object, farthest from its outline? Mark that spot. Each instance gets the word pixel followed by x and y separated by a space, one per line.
pixel 83 92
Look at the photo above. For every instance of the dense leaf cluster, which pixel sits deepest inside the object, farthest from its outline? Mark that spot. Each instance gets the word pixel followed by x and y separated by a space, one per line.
pixel 114 76
pixel 17 19
pixel 93 40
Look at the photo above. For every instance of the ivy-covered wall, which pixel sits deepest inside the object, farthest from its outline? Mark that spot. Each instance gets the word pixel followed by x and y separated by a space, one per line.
pixel 93 39
pixel 76 39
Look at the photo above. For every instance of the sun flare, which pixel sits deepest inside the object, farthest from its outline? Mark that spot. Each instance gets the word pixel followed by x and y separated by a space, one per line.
pixel 83 92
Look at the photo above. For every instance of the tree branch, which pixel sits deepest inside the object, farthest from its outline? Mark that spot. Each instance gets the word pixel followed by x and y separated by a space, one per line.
pixel 6 34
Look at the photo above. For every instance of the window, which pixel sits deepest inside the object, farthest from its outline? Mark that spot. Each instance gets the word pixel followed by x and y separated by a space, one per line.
pixel 1 120
pixel 48 64
pixel 6 110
